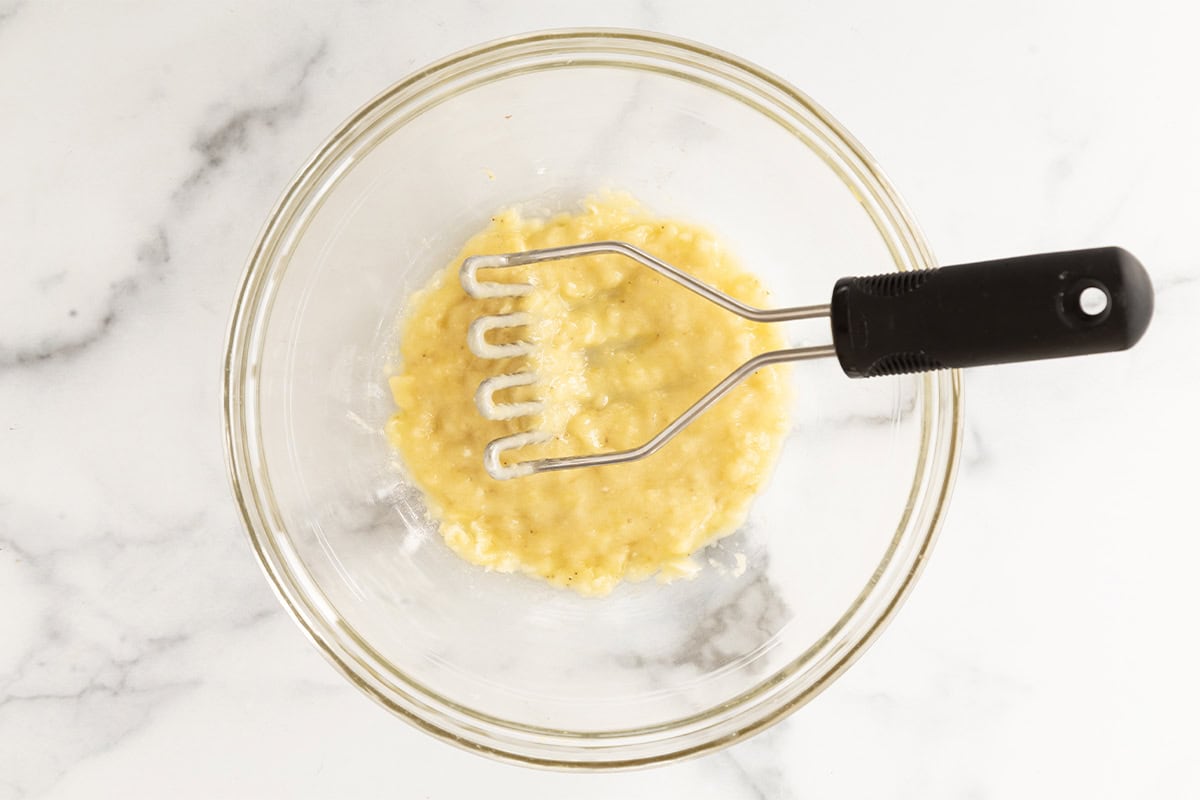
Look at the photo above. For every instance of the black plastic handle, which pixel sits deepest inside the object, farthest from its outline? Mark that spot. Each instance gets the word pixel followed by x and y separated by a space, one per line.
pixel 991 312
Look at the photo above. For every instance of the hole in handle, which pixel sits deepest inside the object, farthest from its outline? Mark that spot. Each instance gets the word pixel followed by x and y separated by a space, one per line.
pixel 1093 301
pixel 1086 303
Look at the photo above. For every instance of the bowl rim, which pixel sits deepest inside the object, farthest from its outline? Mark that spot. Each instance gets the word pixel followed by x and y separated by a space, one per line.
pixel 942 424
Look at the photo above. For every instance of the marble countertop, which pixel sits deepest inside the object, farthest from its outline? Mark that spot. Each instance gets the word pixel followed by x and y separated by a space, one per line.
pixel 1046 652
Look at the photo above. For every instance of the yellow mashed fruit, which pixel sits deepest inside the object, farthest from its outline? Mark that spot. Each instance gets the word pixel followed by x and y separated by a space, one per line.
pixel 619 352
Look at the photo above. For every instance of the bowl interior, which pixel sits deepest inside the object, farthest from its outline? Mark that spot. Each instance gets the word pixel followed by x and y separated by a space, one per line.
pixel 389 201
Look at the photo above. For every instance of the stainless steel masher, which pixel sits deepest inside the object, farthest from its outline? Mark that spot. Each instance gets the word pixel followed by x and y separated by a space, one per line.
pixel 1026 308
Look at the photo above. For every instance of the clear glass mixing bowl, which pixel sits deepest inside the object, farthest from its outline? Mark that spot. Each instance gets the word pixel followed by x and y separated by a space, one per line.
pixel 505 664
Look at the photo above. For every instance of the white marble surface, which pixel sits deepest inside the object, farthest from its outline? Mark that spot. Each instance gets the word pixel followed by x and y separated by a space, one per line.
pixel 1048 651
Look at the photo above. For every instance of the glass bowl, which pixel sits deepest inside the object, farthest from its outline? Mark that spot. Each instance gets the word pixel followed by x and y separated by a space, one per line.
pixel 501 663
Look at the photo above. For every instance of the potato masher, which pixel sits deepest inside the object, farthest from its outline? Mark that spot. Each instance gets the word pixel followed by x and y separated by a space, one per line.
pixel 1025 308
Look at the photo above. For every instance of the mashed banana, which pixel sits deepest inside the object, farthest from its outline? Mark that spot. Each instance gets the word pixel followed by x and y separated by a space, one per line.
pixel 620 352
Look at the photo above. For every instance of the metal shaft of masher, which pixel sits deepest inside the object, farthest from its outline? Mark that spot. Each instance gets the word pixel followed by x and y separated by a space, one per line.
pixel 476 288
